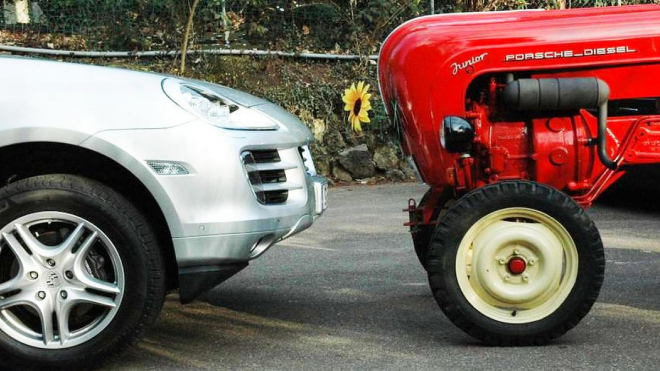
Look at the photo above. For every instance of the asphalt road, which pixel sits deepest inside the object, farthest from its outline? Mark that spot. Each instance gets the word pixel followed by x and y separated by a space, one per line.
pixel 349 294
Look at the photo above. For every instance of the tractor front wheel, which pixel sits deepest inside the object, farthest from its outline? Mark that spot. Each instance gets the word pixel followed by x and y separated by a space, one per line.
pixel 516 263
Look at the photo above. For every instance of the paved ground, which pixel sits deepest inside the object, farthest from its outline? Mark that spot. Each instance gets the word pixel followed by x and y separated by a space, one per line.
pixel 348 294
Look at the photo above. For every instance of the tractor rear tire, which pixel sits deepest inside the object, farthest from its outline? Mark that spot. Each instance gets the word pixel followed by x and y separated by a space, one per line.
pixel 516 263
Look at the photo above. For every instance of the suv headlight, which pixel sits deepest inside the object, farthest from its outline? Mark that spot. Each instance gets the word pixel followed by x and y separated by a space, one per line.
pixel 211 107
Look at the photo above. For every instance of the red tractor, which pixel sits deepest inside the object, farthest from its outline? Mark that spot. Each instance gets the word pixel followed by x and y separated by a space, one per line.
pixel 518 121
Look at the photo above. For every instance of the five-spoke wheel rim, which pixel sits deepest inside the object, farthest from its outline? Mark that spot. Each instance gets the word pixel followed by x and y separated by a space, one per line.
pixel 517 265
pixel 61 280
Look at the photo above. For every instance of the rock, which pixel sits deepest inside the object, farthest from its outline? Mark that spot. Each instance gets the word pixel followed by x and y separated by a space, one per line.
pixel 341 174
pixel 407 170
pixel 386 158
pixel 322 166
pixel 395 175
pixel 318 128
pixel 332 140
pixel 358 161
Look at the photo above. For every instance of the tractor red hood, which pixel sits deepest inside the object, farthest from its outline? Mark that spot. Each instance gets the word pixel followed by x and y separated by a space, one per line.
pixel 427 64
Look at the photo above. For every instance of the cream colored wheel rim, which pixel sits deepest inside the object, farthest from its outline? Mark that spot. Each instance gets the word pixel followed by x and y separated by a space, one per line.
pixel 551 265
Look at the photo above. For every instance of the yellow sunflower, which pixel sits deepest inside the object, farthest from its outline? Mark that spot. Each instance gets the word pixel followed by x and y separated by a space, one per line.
pixel 357 105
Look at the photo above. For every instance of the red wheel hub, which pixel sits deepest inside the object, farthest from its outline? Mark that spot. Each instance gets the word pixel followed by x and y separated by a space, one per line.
pixel 517 265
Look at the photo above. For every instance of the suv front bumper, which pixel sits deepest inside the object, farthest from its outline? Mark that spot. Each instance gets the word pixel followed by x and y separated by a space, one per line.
pixel 217 222
pixel 205 262
pixel 242 247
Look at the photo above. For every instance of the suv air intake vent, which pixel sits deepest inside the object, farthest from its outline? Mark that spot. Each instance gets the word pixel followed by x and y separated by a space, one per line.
pixel 266 173
pixel 263 157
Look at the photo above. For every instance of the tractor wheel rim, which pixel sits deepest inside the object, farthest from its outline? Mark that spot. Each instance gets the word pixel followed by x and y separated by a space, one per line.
pixel 517 265
pixel 65 284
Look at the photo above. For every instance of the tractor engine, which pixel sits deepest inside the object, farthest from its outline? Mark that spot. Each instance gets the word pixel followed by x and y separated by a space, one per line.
pixel 532 129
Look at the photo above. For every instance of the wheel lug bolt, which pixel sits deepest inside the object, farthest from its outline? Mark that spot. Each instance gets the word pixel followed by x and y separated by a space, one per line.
pixel 531 261
pixel 525 277
pixel 506 278
pixel 41 295
pixel 516 252
pixel 50 262
pixel 63 294
pixel 501 260
pixel 34 275
pixel 68 274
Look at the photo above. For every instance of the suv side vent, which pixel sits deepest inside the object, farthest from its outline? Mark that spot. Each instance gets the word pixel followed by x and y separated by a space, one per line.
pixel 306 157
pixel 301 151
pixel 266 173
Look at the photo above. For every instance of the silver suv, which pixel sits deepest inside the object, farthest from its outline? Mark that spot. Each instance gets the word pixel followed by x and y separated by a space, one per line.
pixel 121 185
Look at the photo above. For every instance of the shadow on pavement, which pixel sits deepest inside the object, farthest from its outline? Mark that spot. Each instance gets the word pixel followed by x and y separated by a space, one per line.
pixel 638 189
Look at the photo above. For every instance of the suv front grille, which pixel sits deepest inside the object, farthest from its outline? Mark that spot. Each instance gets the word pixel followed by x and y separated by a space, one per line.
pixel 273 176
pixel 276 197
pixel 267 175
pixel 263 157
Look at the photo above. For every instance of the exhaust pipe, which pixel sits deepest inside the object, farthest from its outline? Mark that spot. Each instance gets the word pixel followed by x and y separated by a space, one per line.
pixel 556 94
